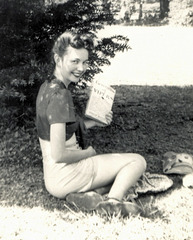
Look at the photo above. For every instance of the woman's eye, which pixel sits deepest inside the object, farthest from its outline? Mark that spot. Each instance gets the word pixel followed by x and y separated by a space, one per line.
pixel 75 61
pixel 86 62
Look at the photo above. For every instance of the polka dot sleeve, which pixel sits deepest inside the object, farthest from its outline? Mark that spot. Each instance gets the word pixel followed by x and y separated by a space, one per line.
pixel 61 108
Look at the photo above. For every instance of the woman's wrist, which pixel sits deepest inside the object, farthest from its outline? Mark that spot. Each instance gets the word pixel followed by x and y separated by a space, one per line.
pixel 90 123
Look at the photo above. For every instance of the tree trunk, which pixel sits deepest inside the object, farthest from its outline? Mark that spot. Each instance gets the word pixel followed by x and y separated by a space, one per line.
pixel 140 10
pixel 164 8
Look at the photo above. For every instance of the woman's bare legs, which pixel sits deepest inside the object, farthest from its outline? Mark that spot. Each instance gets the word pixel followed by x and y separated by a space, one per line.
pixel 122 170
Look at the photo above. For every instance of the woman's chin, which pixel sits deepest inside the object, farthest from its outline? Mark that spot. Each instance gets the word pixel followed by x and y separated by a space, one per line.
pixel 75 79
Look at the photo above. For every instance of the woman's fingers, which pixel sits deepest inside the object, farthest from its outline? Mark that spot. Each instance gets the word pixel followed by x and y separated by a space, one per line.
pixel 109 117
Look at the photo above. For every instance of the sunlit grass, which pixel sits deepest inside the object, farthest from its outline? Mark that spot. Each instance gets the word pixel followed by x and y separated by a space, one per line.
pixel 175 222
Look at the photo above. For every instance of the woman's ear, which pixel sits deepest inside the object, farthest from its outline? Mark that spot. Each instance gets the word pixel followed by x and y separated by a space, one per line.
pixel 57 59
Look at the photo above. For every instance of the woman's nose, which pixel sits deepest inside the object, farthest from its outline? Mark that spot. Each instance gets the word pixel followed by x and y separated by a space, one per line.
pixel 81 67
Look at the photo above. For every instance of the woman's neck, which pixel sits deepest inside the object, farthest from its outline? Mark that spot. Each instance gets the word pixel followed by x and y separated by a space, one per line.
pixel 60 77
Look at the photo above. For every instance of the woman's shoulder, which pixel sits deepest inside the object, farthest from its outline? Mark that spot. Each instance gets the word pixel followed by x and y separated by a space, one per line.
pixel 54 91
pixel 58 91
pixel 55 87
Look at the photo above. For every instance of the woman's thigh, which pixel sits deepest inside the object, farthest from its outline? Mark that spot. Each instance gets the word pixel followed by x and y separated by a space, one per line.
pixel 108 166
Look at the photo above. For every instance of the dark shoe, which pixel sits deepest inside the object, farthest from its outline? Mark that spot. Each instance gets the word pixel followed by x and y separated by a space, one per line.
pixel 85 201
pixel 103 190
pixel 130 208
pixel 110 207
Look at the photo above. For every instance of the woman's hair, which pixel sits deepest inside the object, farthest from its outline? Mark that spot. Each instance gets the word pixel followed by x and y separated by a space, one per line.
pixel 74 40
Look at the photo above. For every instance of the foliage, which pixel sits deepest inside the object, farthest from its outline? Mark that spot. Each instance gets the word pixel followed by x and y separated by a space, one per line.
pixel 28 31
pixel 18 93
pixel 181 12
pixel 155 12
pixel 141 12
pixel 14 31
pixel 87 16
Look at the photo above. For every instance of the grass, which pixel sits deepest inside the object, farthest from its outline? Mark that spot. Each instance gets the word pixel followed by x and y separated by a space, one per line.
pixel 147 120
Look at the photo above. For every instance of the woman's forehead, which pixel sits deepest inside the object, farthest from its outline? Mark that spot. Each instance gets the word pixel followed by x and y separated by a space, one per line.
pixel 81 53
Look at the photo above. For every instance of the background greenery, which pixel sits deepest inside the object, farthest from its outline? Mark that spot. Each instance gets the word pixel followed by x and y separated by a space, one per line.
pixel 29 28
pixel 28 31
pixel 147 120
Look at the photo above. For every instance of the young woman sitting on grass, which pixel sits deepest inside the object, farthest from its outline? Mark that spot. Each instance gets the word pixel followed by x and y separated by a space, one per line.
pixel 69 169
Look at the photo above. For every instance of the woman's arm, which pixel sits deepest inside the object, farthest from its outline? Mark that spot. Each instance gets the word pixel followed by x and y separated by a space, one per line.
pixel 59 152
pixel 91 123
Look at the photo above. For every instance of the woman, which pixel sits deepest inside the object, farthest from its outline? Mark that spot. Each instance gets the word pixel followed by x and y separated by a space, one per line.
pixel 67 167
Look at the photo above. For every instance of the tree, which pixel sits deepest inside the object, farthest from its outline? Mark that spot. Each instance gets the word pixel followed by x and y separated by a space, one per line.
pixel 28 31
pixel 181 12
pixel 164 8
pixel 14 30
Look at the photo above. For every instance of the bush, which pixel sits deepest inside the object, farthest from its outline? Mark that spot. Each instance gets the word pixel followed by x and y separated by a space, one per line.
pixel 18 91
pixel 26 48
pixel 15 34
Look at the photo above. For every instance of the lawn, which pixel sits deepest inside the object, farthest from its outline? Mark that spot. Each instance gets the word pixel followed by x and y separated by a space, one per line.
pixel 149 120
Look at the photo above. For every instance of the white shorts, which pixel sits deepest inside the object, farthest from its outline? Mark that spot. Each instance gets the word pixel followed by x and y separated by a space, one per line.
pixel 61 178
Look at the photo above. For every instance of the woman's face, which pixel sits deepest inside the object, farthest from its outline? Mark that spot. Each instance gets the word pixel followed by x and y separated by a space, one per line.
pixel 73 64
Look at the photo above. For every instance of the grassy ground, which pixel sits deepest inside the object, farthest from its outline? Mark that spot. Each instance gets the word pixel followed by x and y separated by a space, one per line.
pixel 147 120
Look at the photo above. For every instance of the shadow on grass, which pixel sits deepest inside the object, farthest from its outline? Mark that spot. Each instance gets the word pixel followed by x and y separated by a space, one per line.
pixel 147 120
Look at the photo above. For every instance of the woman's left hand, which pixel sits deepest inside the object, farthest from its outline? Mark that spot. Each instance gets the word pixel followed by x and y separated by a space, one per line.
pixel 109 118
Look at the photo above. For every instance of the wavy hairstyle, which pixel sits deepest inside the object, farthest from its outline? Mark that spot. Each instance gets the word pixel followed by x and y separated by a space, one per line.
pixel 74 40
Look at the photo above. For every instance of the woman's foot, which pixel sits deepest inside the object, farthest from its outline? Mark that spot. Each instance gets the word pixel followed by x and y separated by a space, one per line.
pixel 85 201
pixel 116 207
pixel 103 190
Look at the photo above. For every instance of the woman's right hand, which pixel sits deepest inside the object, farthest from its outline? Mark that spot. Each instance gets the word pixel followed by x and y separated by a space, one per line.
pixel 91 151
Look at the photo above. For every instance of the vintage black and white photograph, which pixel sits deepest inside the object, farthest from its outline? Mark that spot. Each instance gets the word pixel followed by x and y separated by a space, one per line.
pixel 96 109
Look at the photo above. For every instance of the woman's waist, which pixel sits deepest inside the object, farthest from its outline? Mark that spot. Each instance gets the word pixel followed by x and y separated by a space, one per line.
pixel 70 144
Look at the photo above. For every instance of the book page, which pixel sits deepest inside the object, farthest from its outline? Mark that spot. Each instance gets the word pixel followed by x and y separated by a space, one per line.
pixel 100 102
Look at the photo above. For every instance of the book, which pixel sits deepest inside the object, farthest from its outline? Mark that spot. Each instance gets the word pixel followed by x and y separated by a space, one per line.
pixel 100 101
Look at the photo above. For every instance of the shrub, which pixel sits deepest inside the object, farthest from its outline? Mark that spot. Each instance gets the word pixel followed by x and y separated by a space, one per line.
pixel 18 91
pixel 26 48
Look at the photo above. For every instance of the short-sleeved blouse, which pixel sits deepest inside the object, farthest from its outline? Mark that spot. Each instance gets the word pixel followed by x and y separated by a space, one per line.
pixel 54 105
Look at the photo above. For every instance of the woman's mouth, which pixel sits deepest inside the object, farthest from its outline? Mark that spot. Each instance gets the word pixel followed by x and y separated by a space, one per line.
pixel 77 75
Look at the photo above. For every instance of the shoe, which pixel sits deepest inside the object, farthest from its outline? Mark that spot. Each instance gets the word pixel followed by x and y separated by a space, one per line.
pixel 130 208
pixel 84 201
pixel 116 207
pixel 103 190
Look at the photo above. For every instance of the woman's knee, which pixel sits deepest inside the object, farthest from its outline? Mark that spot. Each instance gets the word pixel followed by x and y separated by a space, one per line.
pixel 140 160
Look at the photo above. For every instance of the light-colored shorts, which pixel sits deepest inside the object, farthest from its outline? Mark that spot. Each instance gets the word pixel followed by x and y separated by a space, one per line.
pixel 61 179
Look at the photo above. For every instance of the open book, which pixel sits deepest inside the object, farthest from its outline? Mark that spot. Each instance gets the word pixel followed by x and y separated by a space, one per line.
pixel 100 101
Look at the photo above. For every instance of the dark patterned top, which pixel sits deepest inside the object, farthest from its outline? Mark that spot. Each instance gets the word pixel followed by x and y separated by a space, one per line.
pixel 54 104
